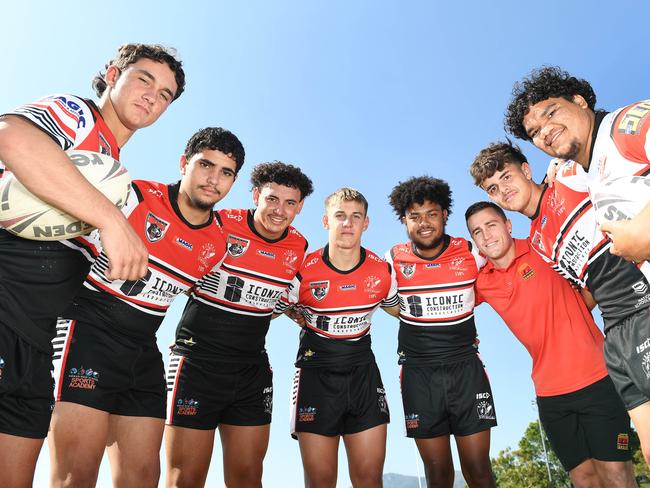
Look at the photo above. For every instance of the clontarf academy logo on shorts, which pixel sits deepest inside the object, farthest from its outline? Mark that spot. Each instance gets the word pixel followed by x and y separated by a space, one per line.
pixel 412 420
pixel 83 378
pixel 306 414
pixel 237 246
pixel 623 442
pixel 186 406
pixel 319 289
pixel 155 227
pixel 485 410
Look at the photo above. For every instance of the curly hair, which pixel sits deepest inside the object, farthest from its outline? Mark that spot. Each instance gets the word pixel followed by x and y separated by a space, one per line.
pixel 542 84
pixel 216 139
pixel 282 174
pixel 476 207
pixel 494 158
pixel 418 190
pixel 347 195
pixel 127 54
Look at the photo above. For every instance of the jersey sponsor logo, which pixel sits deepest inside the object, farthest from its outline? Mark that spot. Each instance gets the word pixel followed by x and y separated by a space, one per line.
pixel 155 227
pixel 74 109
pixel 432 265
pixel 526 271
pixel 485 410
pixel 188 407
pixel 634 119
pixel 266 254
pixel 237 246
pixel 623 442
pixel 407 269
pixel 306 414
pixel 290 260
pixel 206 254
pixel 347 287
pixel 319 289
pixel 83 378
pixel 412 420
pixel 483 396
pixel 235 217
pixel 183 243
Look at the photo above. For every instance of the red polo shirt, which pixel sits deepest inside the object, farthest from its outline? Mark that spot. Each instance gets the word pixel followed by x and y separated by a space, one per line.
pixel 549 318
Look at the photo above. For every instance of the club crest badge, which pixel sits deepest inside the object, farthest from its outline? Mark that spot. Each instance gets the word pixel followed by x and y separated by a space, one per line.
pixel 155 227
pixel 237 246
pixel 319 289
pixel 408 269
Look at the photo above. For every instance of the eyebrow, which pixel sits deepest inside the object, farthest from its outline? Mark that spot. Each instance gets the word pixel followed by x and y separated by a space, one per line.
pixel 144 72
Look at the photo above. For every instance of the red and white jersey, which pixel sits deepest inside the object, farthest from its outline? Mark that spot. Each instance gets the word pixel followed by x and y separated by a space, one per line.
pixel 180 253
pixel 564 232
pixel 338 307
pixel 622 144
pixel 436 298
pixel 230 309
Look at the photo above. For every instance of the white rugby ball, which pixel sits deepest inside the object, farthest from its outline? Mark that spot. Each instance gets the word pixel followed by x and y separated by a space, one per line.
pixel 25 215
pixel 620 198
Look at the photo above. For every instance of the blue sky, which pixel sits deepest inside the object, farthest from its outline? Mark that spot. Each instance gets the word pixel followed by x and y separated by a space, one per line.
pixel 361 94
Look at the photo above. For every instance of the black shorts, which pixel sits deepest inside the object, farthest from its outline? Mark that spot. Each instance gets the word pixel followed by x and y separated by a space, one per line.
pixel 588 423
pixel 447 398
pixel 109 371
pixel 338 401
pixel 26 387
pixel 627 356
pixel 201 393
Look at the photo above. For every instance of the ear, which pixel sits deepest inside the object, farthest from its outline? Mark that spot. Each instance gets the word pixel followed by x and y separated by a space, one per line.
pixel 509 226
pixel 326 223
pixel 445 214
pixel 580 101
pixel 299 206
pixel 183 164
pixel 256 196
pixel 366 223
pixel 111 76
pixel 526 170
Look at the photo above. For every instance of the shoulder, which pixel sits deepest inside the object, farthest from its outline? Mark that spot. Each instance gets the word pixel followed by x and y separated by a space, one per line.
pixel 629 130
pixel 231 217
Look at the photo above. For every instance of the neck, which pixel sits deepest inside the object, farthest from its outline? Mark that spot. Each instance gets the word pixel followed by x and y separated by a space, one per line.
pixel 535 197
pixel 121 133
pixel 195 216
pixel 582 157
pixel 344 258
pixel 430 253
pixel 505 260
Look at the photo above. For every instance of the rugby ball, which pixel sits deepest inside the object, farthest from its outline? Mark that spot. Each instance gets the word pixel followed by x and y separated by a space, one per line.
pixel 620 198
pixel 25 215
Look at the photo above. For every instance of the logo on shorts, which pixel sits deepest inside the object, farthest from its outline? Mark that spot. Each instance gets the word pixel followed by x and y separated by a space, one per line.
pixel 319 289
pixel 83 378
pixel 485 410
pixel 237 246
pixel 2 365
pixel 645 364
pixel 408 269
pixel 268 399
pixel 412 420
pixel 381 401
pixel 155 227
pixel 306 414
pixel 643 346
pixel 187 407
pixel 640 288
pixel 623 442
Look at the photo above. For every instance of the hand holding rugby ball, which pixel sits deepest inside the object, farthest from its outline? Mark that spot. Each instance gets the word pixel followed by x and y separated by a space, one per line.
pixel 26 216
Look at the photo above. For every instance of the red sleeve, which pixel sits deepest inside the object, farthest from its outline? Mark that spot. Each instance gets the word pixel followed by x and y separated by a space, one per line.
pixel 630 132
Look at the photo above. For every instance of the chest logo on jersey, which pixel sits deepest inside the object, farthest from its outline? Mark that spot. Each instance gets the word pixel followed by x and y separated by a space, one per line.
pixel 155 227
pixel 556 203
pixel 458 264
pixel 526 271
pixel 371 284
pixel 290 260
pixel 237 246
pixel 207 252
pixel 407 269
pixel 319 289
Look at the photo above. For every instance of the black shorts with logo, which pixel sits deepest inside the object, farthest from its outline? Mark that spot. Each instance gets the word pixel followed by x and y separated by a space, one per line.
pixel 627 356
pixel 588 423
pixel 447 398
pixel 26 386
pixel 103 369
pixel 203 393
pixel 338 401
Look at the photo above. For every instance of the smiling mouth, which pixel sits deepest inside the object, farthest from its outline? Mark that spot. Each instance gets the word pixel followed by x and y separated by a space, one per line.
pixel 554 137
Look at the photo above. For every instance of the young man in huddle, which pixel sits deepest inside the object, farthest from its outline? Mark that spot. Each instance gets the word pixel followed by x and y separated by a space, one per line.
pixel 582 415
pixel 135 89
pixel 219 374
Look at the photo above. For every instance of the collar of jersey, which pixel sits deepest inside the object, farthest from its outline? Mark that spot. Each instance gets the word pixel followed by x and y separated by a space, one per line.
pixel 328 263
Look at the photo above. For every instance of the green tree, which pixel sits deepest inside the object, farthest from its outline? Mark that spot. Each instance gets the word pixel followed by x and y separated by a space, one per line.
pixel 526 466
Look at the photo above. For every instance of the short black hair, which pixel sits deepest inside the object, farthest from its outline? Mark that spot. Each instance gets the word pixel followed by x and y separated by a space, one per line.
pixel 475 208
pixel 282 174
pixel 128 54
pixel 541 84
pixel 494 158
pixel 216 139
pixel 418 189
